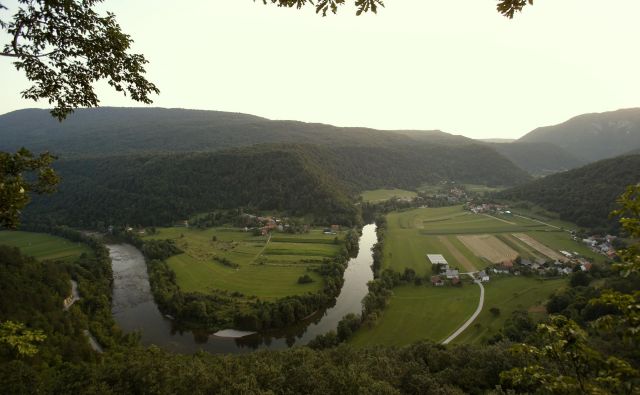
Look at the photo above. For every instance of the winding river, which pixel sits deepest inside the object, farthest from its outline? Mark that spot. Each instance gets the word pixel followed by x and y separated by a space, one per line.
pixel 134 309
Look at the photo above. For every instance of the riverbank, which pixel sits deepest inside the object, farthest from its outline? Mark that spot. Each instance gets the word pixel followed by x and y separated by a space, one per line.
pixel 135 310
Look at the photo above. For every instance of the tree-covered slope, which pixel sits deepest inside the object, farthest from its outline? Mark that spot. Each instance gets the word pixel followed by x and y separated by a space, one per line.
pixel 585 195
pixel 591 137
pixel 299 179
pixel 538 158
pixel 117 131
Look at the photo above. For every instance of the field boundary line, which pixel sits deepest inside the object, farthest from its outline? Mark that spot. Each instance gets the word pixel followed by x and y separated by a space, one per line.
pixel 263 248
pixel 502 220
pixel 540 222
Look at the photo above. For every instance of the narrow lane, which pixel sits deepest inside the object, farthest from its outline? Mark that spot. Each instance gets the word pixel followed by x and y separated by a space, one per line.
pixel 473 316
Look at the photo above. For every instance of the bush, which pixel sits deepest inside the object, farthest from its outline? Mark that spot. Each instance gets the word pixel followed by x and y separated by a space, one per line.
pixel 306 279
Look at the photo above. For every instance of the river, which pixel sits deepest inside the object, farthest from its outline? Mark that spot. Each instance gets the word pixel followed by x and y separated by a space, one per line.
pixel 135 310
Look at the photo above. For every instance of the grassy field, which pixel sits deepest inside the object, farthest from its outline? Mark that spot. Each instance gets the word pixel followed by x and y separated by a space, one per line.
pixel 417 313
pixel 380 195
pixel 509 294
pixel 473 188
pixel 268 268
pixel 43 246
pixel 434 313
pixel 413 233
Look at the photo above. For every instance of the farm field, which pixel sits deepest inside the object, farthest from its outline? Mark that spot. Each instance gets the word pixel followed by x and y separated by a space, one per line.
pixel 509 294
pixel 380 195
pixel 418 313
pixel 488 247
pixel 474 188
pixel 267 267
pixel 43 246
pixel 466 239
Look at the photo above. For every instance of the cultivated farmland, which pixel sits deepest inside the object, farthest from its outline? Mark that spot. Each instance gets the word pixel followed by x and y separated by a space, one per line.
pixel 468 242
pixel 541 248
pixel 267 267
pixel 488 247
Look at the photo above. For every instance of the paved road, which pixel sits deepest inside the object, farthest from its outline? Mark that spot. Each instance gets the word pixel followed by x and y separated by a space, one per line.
pixel 472 318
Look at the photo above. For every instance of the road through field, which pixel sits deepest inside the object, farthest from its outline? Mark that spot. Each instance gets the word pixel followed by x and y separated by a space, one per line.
pixel 500 219
pixel 473 316
pixel 466 263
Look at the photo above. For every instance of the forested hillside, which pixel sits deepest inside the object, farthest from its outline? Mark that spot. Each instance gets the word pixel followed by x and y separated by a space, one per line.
pixel 297 179
pixel 120 131
pixel 584 196
pixel 538 158
pixel 591 137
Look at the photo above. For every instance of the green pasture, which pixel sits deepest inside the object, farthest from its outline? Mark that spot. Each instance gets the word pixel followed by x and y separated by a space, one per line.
pixel 268 267
pixel 509 294
pixel 380 195
pixel 43 246
pixel 420 313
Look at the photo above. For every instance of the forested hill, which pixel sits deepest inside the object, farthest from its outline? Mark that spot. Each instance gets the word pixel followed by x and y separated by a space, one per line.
pixel 116 131
pixel 299 179
pixel 591 137
pixel 539 159
pixel 585 195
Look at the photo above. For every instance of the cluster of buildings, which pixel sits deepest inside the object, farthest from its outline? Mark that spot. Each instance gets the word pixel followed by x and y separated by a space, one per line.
pixel 542 268
pixel 264 224
pixel 453 195
pixel 488 208
pixel 446 274
pixel 601 245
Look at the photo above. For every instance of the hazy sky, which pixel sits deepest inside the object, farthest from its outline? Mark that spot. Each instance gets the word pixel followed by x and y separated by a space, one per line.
pixel 457 66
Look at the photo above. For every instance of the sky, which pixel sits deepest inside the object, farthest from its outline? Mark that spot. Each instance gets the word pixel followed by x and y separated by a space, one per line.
pixel 456 66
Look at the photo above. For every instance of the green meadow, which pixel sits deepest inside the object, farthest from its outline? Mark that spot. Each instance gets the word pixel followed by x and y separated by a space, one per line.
pixel 43 246
pixel 509 293
pixel 380 195
pixel 261 266
pixel 420 313
pixel 433 313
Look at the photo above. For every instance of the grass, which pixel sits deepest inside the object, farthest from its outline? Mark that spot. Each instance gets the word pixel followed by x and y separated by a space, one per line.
pixel 381 195
pixel 418 313
pixel 43 246
pixel 266 268
pixel 434 313
pixel 509 294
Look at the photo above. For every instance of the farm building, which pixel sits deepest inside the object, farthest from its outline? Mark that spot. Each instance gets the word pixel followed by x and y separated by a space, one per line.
pixel 436 281
pixel 482 276
pixel 437 259
pixel 452 273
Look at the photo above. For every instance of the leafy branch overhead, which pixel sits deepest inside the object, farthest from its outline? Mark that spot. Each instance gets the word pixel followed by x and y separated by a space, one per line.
pixel 507 8
pixel 20 175
pixel 64 46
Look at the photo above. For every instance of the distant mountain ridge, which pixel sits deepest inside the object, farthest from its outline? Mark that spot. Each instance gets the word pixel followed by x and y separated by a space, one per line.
pixel 539 159
pixel 591 137
pixel 108 131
